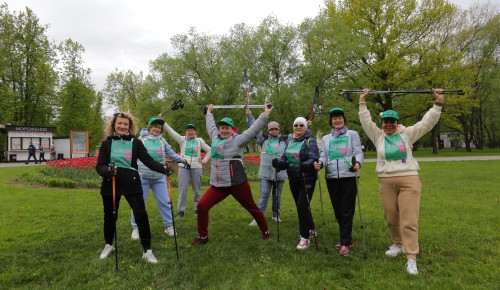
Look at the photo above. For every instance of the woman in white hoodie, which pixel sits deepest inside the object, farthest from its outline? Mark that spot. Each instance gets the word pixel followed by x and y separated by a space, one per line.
pixel 191 146
pixel 399 183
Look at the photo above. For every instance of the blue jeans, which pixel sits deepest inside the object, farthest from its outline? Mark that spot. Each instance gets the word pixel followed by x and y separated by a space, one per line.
pixel 266 190
pixel 159 188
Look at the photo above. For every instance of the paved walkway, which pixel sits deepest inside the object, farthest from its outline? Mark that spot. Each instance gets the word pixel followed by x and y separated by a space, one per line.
pixel 458 158
pixel 422 159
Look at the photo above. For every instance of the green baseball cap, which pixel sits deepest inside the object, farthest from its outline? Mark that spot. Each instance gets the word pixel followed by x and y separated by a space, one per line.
pixel 336 111
pixel 156 120
pixel 226 121
pixel 390 114
pixel 190 126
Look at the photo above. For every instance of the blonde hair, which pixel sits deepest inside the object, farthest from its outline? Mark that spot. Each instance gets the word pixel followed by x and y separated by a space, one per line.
pixel 110 125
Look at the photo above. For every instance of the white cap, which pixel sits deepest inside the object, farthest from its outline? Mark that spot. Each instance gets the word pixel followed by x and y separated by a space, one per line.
pixel 300 120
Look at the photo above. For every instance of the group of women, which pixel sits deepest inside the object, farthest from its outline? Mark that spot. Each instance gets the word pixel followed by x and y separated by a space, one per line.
pixel 139 165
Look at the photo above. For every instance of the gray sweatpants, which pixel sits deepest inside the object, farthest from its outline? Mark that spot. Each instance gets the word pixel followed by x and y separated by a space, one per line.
pixel 189 176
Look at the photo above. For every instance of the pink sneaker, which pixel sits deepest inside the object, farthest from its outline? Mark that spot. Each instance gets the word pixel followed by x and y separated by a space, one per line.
pixel 303 244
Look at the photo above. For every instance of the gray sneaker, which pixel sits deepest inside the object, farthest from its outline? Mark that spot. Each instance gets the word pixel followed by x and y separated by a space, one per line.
pixel 394 251
pixel 253 223
pixel 135 234
pixel 411 267
pixel 106 251
pixel 149 257
pixel 170 231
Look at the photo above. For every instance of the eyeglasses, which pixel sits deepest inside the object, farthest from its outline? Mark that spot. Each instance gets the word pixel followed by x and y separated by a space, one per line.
pixel 272 129
pixel 298 125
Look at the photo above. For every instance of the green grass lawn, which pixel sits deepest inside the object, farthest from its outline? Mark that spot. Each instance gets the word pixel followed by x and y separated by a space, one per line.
pixel 51 238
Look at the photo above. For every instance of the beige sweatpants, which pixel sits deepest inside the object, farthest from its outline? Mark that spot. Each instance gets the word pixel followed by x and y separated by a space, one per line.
pixel 401 202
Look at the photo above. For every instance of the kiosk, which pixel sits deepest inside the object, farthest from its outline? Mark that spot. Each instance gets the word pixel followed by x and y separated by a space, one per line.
pixel 19 138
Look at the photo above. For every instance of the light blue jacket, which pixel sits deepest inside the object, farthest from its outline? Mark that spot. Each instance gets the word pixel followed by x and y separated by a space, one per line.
pixel 144 171
pixel 339 168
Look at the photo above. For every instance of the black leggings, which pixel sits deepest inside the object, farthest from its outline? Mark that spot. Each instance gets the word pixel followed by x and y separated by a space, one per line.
pixel 306 222
pixel 136 202
pixel 343 197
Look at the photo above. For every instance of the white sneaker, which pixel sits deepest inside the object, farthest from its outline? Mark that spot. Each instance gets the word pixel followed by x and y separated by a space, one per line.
pixel 107 250
pixel 303 244
pixel 276 218
pixel 149 257
pixel 170 231
pixel 135 234
pixel 411 267
pixel 253 223
pixel 394 250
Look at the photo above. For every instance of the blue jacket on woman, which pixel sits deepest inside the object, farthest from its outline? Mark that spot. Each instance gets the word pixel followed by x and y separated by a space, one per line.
pixel 308 154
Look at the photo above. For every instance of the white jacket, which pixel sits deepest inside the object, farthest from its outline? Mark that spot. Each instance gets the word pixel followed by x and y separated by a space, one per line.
pixel 409 135
pixel 194 162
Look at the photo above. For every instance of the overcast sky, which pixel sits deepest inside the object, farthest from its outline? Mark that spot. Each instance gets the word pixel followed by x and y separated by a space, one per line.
pixel 127 34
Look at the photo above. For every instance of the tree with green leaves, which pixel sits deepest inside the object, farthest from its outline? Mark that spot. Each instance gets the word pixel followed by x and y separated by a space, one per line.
pixel 28 77
pixel 79 108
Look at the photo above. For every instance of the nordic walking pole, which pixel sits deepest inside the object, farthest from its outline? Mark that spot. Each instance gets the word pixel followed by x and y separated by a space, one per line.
pixel 177 104
pixel 113 184
pixel 275 188
pixel 353 161
pixel 321 199
pixel 169 172
pixel 347 93
pixel 315 97
pixel 310 211
pixel 245 80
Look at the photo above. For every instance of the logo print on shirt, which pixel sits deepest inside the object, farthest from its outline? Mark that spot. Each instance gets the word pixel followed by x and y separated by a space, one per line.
pixel 343 150
pixel 195 149
pixel 220 148
pixel 401 146
pixel 128 154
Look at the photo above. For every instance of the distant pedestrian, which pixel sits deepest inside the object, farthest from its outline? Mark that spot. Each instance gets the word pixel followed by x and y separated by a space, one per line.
pixel 42 153
pixel 31 153
pixel 52 152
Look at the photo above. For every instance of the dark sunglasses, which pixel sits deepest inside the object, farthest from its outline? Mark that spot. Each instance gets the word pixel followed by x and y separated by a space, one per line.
pixel 389 121
pixel 298 125
pixel 272 129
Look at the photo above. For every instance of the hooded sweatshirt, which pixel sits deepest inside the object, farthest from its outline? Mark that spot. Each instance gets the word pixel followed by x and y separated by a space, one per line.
pixel 183 141
pixel 409 135
pixel 157 148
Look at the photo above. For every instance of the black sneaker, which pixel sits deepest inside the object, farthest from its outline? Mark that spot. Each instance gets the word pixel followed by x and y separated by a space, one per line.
pixel 180 214
pixel 199 241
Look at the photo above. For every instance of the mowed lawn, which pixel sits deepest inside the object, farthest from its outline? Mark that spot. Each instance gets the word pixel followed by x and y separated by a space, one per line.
pixel 51 238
